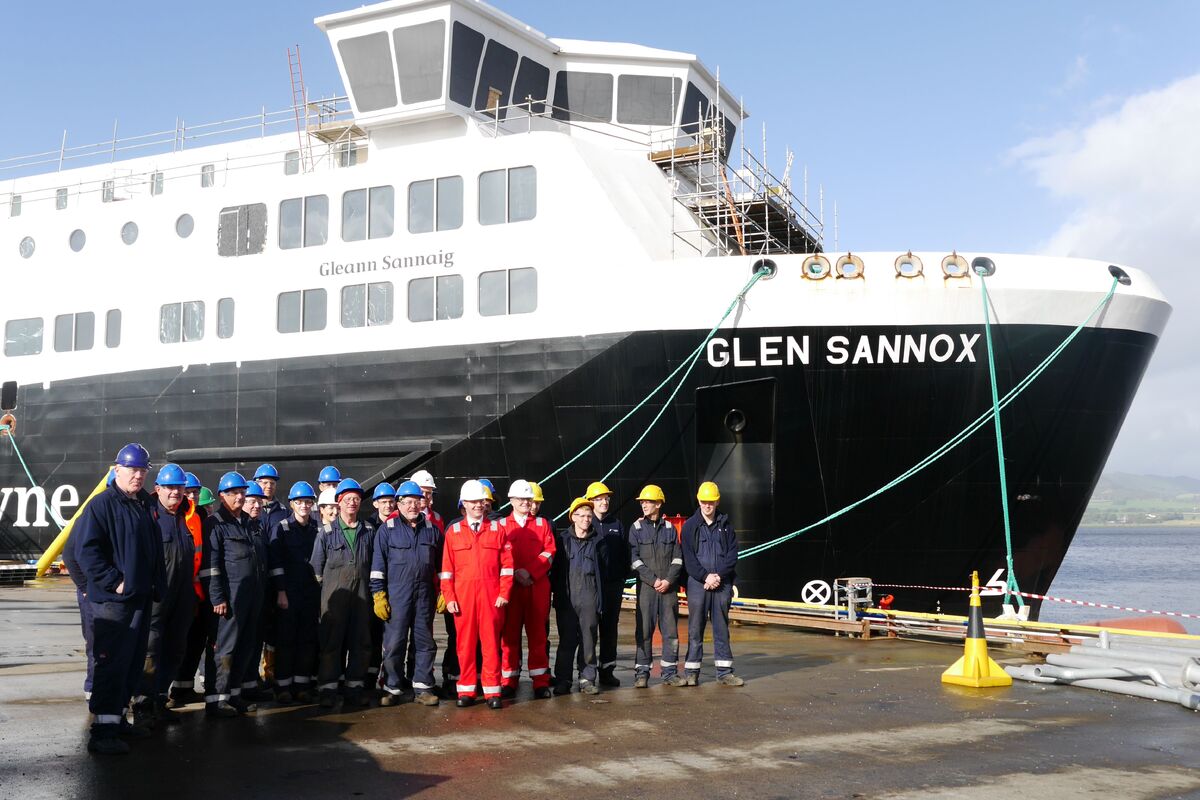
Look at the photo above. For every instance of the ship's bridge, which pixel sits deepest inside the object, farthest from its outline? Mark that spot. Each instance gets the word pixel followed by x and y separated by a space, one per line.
pixel 409 65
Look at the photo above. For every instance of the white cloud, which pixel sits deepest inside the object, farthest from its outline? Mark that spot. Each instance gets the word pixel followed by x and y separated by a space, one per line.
pixel 1133 177
pixel 1077 72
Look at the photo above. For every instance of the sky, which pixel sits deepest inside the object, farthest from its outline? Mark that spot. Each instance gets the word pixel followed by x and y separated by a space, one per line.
pixel 1066 128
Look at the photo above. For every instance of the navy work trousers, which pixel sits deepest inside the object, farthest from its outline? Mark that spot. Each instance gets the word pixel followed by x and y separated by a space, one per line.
pixel 705 605
pixel 120 632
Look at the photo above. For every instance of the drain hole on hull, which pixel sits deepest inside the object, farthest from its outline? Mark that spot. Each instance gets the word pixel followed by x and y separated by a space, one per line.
pixel 735 420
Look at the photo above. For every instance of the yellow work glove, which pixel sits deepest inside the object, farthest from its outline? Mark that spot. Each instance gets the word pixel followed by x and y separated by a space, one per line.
pixel 382 609
pixel 441 604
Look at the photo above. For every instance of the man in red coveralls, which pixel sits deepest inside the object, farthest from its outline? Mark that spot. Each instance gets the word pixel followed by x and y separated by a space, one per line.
pixel 477 579
pixel 532 542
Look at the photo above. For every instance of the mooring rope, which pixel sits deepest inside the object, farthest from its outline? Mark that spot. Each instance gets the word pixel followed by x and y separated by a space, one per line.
pixel 12 437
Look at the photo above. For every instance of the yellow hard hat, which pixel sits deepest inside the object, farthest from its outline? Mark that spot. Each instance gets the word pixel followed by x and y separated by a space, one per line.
pixel 596 489
pixel 708 492
pixel 652 492
pixel 538 497
pixel 577 503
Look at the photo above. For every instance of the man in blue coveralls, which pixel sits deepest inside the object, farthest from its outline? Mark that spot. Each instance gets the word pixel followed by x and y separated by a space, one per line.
pixel 120 554
pixel 710 553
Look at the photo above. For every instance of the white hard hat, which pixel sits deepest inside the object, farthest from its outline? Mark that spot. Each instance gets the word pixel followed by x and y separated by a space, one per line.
pixel 424 479
pixel 472 490
pixel 327 498
pixel 520 490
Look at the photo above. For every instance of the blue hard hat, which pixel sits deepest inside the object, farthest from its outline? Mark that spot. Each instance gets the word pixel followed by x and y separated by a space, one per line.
pixel 230 481
pixel 488 484
pixel 329 475
pixel 171 475
pixel 409 489
pixel 266 471
pixel 384 489
pixel 254 490
pixel 133 455
pixel 301 489
pixel 192 481
pixel 347 485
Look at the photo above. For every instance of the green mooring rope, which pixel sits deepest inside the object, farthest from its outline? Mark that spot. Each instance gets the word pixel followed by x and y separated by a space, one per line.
pixel 687 365
pixel 12 437
pixel 953 442
pixel 1010 584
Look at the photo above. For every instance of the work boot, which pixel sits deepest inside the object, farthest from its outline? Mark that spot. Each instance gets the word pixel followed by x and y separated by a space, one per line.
pixel 105 741
pixel 730 679
pixel 495 703
pixel 241 705
pixel 129 731
pixel 608 679
pixel 543 693
pixel 356 698
pixel 426 698
pixel 283 697
pixel 674 680
pixel 303 696
pixel 508 692
pixel 562 688
pixel 183 696
pixel 165 715
pixel 328 698
pixel 143 714
pixel 388 700
pixel 465 701
pixel 220 709
pixel 587 687
pixel 692 679
pixel 641 681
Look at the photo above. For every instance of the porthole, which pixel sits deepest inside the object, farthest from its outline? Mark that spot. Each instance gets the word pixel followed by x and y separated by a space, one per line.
pixel 764 263
pixel 909 266
pixel 26 247
pixel 850 267
pixel 184 226
pixel 816 267
pixel 982 265
pixel 129 232
pixel 78 240
pixel 735 420
pixel 955 266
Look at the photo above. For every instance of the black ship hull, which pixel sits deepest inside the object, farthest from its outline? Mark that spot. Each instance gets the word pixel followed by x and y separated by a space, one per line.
pixel 789 442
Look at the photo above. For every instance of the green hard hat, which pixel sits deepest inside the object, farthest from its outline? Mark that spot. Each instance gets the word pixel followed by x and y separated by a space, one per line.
pixel 206 496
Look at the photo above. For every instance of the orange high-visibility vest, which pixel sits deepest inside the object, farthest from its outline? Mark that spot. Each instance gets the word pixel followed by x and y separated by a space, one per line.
pixel 194 518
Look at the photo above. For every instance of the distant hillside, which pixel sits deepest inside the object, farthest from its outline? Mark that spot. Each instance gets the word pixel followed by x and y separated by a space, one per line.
pixel 1124 499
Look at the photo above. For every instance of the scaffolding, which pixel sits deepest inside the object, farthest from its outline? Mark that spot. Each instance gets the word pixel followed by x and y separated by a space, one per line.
pixel 718 211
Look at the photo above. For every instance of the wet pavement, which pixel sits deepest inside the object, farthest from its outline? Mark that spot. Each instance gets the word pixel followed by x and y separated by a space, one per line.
pixel 819 717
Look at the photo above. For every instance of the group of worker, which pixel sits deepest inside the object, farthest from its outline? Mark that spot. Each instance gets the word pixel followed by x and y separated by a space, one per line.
pixel 332 600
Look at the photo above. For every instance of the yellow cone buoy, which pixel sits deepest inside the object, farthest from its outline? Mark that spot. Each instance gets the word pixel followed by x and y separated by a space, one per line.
pixel 976 668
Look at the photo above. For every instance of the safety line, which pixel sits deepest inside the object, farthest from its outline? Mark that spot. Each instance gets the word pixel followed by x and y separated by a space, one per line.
pixel 1052 598
pixel 1010 584
pixel 950 444
pixel 12 437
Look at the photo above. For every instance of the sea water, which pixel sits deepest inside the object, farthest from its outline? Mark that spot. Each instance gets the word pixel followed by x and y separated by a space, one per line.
pixel 1154 568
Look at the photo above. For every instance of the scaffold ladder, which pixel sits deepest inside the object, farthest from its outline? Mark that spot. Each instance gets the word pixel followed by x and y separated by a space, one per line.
pixel 300 106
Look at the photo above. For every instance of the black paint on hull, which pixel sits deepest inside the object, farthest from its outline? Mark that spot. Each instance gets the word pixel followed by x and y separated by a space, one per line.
pixel 815 438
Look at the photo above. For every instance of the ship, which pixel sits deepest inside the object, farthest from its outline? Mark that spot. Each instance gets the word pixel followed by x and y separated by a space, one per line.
pixel 504 254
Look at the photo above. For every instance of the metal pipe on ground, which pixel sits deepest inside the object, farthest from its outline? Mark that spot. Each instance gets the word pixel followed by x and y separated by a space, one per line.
pixel 1181 696
pixel 1142 648
pixel 1117 673
pixel 1140 655
pixel 1175 675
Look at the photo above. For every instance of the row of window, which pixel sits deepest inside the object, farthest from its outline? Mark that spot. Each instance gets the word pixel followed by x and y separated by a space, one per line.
pixel 505 195
pixel 511 291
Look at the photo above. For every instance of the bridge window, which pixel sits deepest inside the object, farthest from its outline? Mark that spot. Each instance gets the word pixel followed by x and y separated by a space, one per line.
pixel 291 162
pixel 208 176
pixel 107 191
pixel 466 46
pixel 533 80
pixel 435 298
pixel 420 51
pixel 301 311
pixel 23 337
pixel 242 230
pixel 365 304
pixel 303 222
pixel 181 322
pixel 512 291
pixel 435 204
pixel 368 63
pixel 583 96
pixel 60 199
pixel 647 99
pixel 499 64
pixel 74 332
pixel 156 183
pixel 507 195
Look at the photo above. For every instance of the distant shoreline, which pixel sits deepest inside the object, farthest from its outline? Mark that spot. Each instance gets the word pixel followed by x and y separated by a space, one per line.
pixel 1169 525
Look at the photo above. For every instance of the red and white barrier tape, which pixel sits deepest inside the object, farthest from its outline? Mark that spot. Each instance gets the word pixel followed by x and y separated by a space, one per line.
pixel 1087 603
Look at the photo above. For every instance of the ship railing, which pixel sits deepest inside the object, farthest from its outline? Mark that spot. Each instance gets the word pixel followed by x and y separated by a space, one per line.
pixel 171 140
